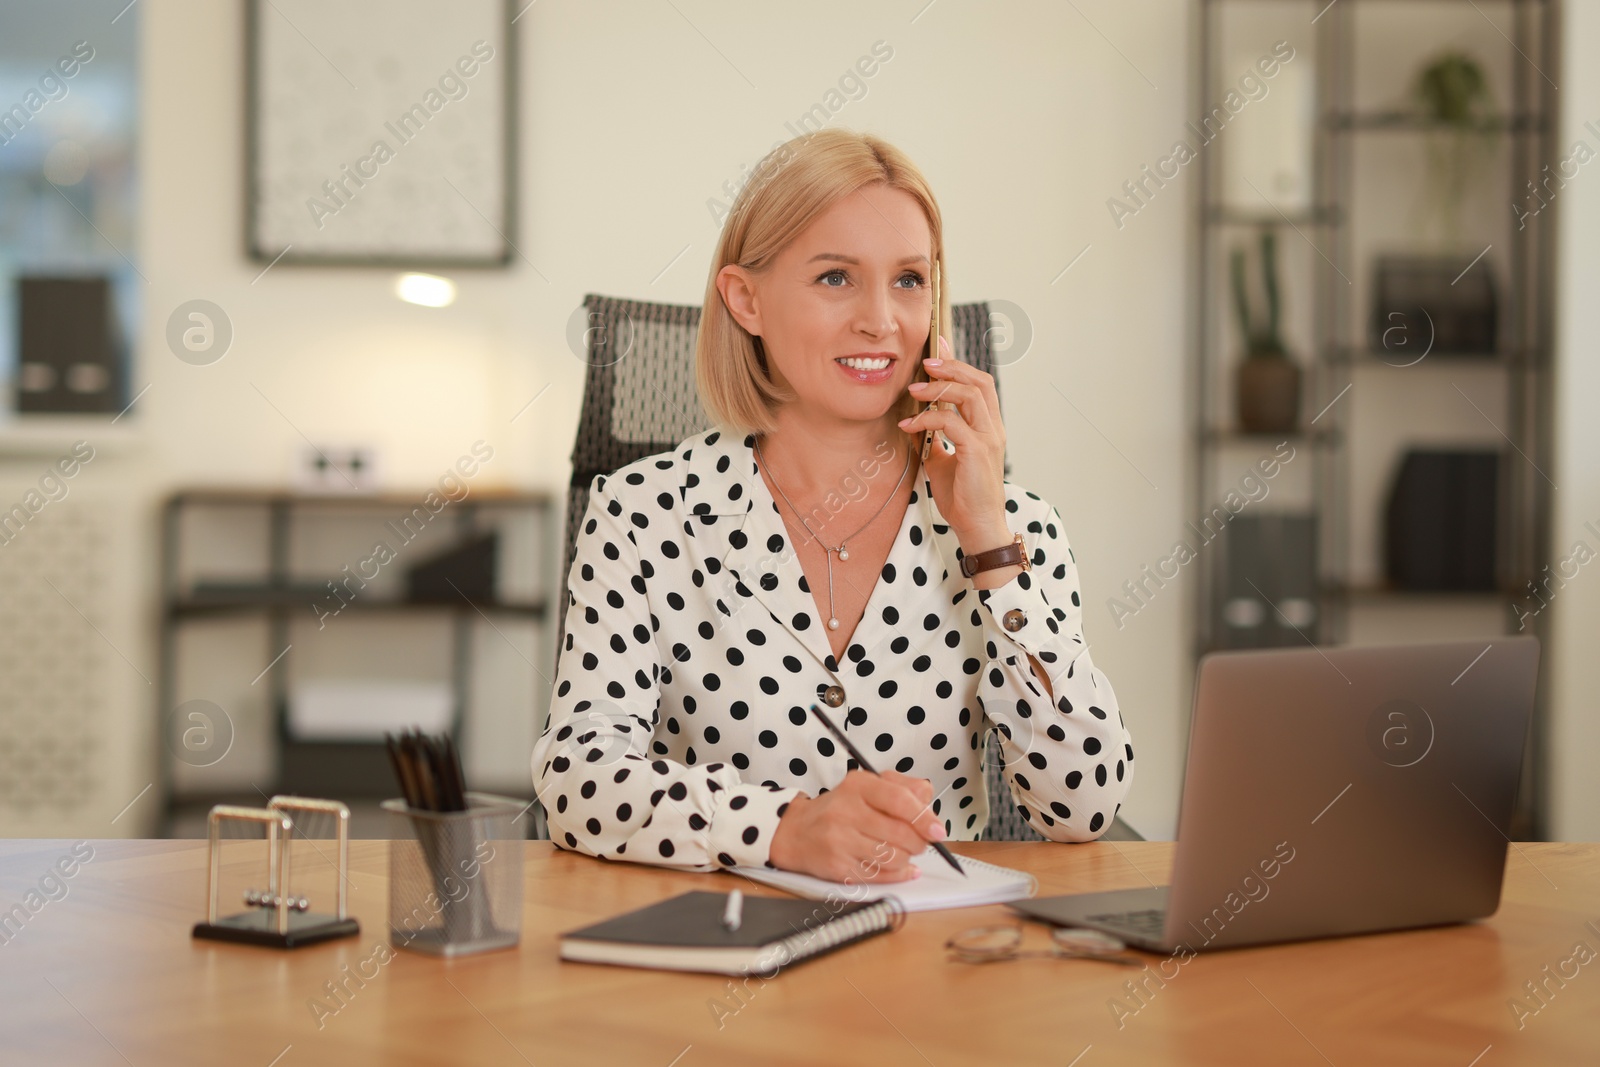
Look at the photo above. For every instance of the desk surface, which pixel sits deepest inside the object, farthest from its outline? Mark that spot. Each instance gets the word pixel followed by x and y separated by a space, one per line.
pixel 108 974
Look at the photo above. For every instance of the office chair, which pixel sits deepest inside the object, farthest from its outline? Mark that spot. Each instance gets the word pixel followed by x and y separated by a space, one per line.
pixel 640 398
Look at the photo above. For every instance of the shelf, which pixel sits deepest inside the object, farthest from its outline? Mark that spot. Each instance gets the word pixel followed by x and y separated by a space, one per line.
pixel 285 600
pixel 1375 593
pixel 187 813
pixel 1409 122
pixel 1358 356
pixel 52 436
pixel 1225 215
pixel 1216 435
pixel 223 496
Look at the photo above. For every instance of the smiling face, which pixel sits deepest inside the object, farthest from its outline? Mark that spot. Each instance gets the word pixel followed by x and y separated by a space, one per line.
pixel 843 311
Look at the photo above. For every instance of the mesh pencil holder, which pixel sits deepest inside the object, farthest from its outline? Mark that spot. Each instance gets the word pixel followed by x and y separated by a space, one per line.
pixel 455 885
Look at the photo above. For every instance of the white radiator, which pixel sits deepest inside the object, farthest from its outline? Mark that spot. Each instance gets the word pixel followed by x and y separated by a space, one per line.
pixel 77 673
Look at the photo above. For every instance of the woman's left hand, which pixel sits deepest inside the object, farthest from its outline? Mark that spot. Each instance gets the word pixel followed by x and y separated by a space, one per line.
pixel 967 483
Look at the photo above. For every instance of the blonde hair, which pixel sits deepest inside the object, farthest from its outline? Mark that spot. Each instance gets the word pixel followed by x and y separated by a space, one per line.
pixel 792 185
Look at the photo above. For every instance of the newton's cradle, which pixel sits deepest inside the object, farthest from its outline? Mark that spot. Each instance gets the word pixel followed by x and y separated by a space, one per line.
pixel 275 917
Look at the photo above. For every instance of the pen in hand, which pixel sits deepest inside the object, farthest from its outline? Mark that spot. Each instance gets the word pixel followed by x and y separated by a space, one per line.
pixel 855 753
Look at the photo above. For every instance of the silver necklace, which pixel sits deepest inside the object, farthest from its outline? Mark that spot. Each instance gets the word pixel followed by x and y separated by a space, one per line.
pixel 838 550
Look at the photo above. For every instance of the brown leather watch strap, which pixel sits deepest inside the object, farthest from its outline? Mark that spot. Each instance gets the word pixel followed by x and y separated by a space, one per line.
pixel 1013 554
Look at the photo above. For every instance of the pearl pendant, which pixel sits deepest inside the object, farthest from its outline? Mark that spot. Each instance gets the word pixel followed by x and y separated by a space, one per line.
pixel 833 624
pixel 844 553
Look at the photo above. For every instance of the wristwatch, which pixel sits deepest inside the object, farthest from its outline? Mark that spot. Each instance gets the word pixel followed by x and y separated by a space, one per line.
pixel 1004 556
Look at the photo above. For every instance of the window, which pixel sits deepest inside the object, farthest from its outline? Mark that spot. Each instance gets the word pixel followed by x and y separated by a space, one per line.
pixel 70 287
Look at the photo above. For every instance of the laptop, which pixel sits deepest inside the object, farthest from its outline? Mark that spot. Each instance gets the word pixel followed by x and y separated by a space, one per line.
pixel 1334 791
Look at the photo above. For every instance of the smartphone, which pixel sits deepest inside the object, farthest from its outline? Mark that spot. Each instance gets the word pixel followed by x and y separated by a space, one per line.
pixel 933 353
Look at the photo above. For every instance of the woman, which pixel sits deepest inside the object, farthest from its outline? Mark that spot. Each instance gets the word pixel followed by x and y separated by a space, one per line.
pixel 804 553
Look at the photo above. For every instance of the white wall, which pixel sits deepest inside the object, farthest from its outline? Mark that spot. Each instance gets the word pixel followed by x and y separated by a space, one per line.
pixel 1573 670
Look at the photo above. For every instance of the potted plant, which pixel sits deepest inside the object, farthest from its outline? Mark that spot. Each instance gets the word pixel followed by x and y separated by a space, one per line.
pixel 1453 101
pixel 1268 380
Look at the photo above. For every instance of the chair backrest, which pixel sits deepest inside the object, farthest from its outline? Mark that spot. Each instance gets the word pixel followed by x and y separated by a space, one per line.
pixel 639 398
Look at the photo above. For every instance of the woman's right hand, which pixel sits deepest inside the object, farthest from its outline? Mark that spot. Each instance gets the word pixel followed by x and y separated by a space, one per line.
pixel 866 829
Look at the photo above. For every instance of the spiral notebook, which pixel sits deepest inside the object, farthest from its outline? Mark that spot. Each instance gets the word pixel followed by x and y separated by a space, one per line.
pixel 685 933
pixel 938 888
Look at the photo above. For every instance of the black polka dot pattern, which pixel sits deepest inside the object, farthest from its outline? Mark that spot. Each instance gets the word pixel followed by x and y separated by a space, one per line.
pixel 678 732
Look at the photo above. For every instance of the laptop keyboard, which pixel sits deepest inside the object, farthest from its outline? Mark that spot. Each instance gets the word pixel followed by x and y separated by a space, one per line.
pixel 1150 922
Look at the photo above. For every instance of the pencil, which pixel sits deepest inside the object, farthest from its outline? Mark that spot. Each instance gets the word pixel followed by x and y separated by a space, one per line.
pixel 855 753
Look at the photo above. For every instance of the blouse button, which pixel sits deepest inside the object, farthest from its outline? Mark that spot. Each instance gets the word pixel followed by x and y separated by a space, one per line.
pixel 1014 620
pixel 833 696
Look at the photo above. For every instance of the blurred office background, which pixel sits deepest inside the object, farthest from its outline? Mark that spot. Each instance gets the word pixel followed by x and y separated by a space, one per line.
pixel 1334 347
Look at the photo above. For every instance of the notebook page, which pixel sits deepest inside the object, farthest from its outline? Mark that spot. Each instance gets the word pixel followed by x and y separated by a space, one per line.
pixel 938 888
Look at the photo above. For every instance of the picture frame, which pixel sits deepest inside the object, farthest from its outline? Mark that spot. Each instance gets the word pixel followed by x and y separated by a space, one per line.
pixel 381 133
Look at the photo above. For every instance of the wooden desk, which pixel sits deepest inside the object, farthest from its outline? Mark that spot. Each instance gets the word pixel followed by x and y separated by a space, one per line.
pixel 109 975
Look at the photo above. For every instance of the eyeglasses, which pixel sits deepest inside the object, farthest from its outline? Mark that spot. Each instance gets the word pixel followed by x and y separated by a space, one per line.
pixel 990 944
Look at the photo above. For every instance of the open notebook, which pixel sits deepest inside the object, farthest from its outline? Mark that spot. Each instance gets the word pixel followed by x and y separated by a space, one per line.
pixel 939 887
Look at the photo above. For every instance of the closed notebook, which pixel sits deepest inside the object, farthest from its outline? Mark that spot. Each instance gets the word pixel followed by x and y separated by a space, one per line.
pixel 939 887
pixel 685 933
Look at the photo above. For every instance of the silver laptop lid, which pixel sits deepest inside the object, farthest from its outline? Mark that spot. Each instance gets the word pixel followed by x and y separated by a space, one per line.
pixel 1347 790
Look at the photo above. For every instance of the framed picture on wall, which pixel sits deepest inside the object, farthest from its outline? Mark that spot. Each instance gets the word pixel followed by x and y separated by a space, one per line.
pixel 381 132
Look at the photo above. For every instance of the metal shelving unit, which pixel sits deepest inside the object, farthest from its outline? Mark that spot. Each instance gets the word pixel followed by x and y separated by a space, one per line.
pixel 348 769
pixel 1340 364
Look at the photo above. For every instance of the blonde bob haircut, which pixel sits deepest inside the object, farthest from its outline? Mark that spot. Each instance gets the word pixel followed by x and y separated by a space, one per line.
pixel 792 185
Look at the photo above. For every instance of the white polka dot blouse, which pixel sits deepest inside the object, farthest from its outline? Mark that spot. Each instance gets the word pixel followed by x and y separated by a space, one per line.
pixel 678 728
